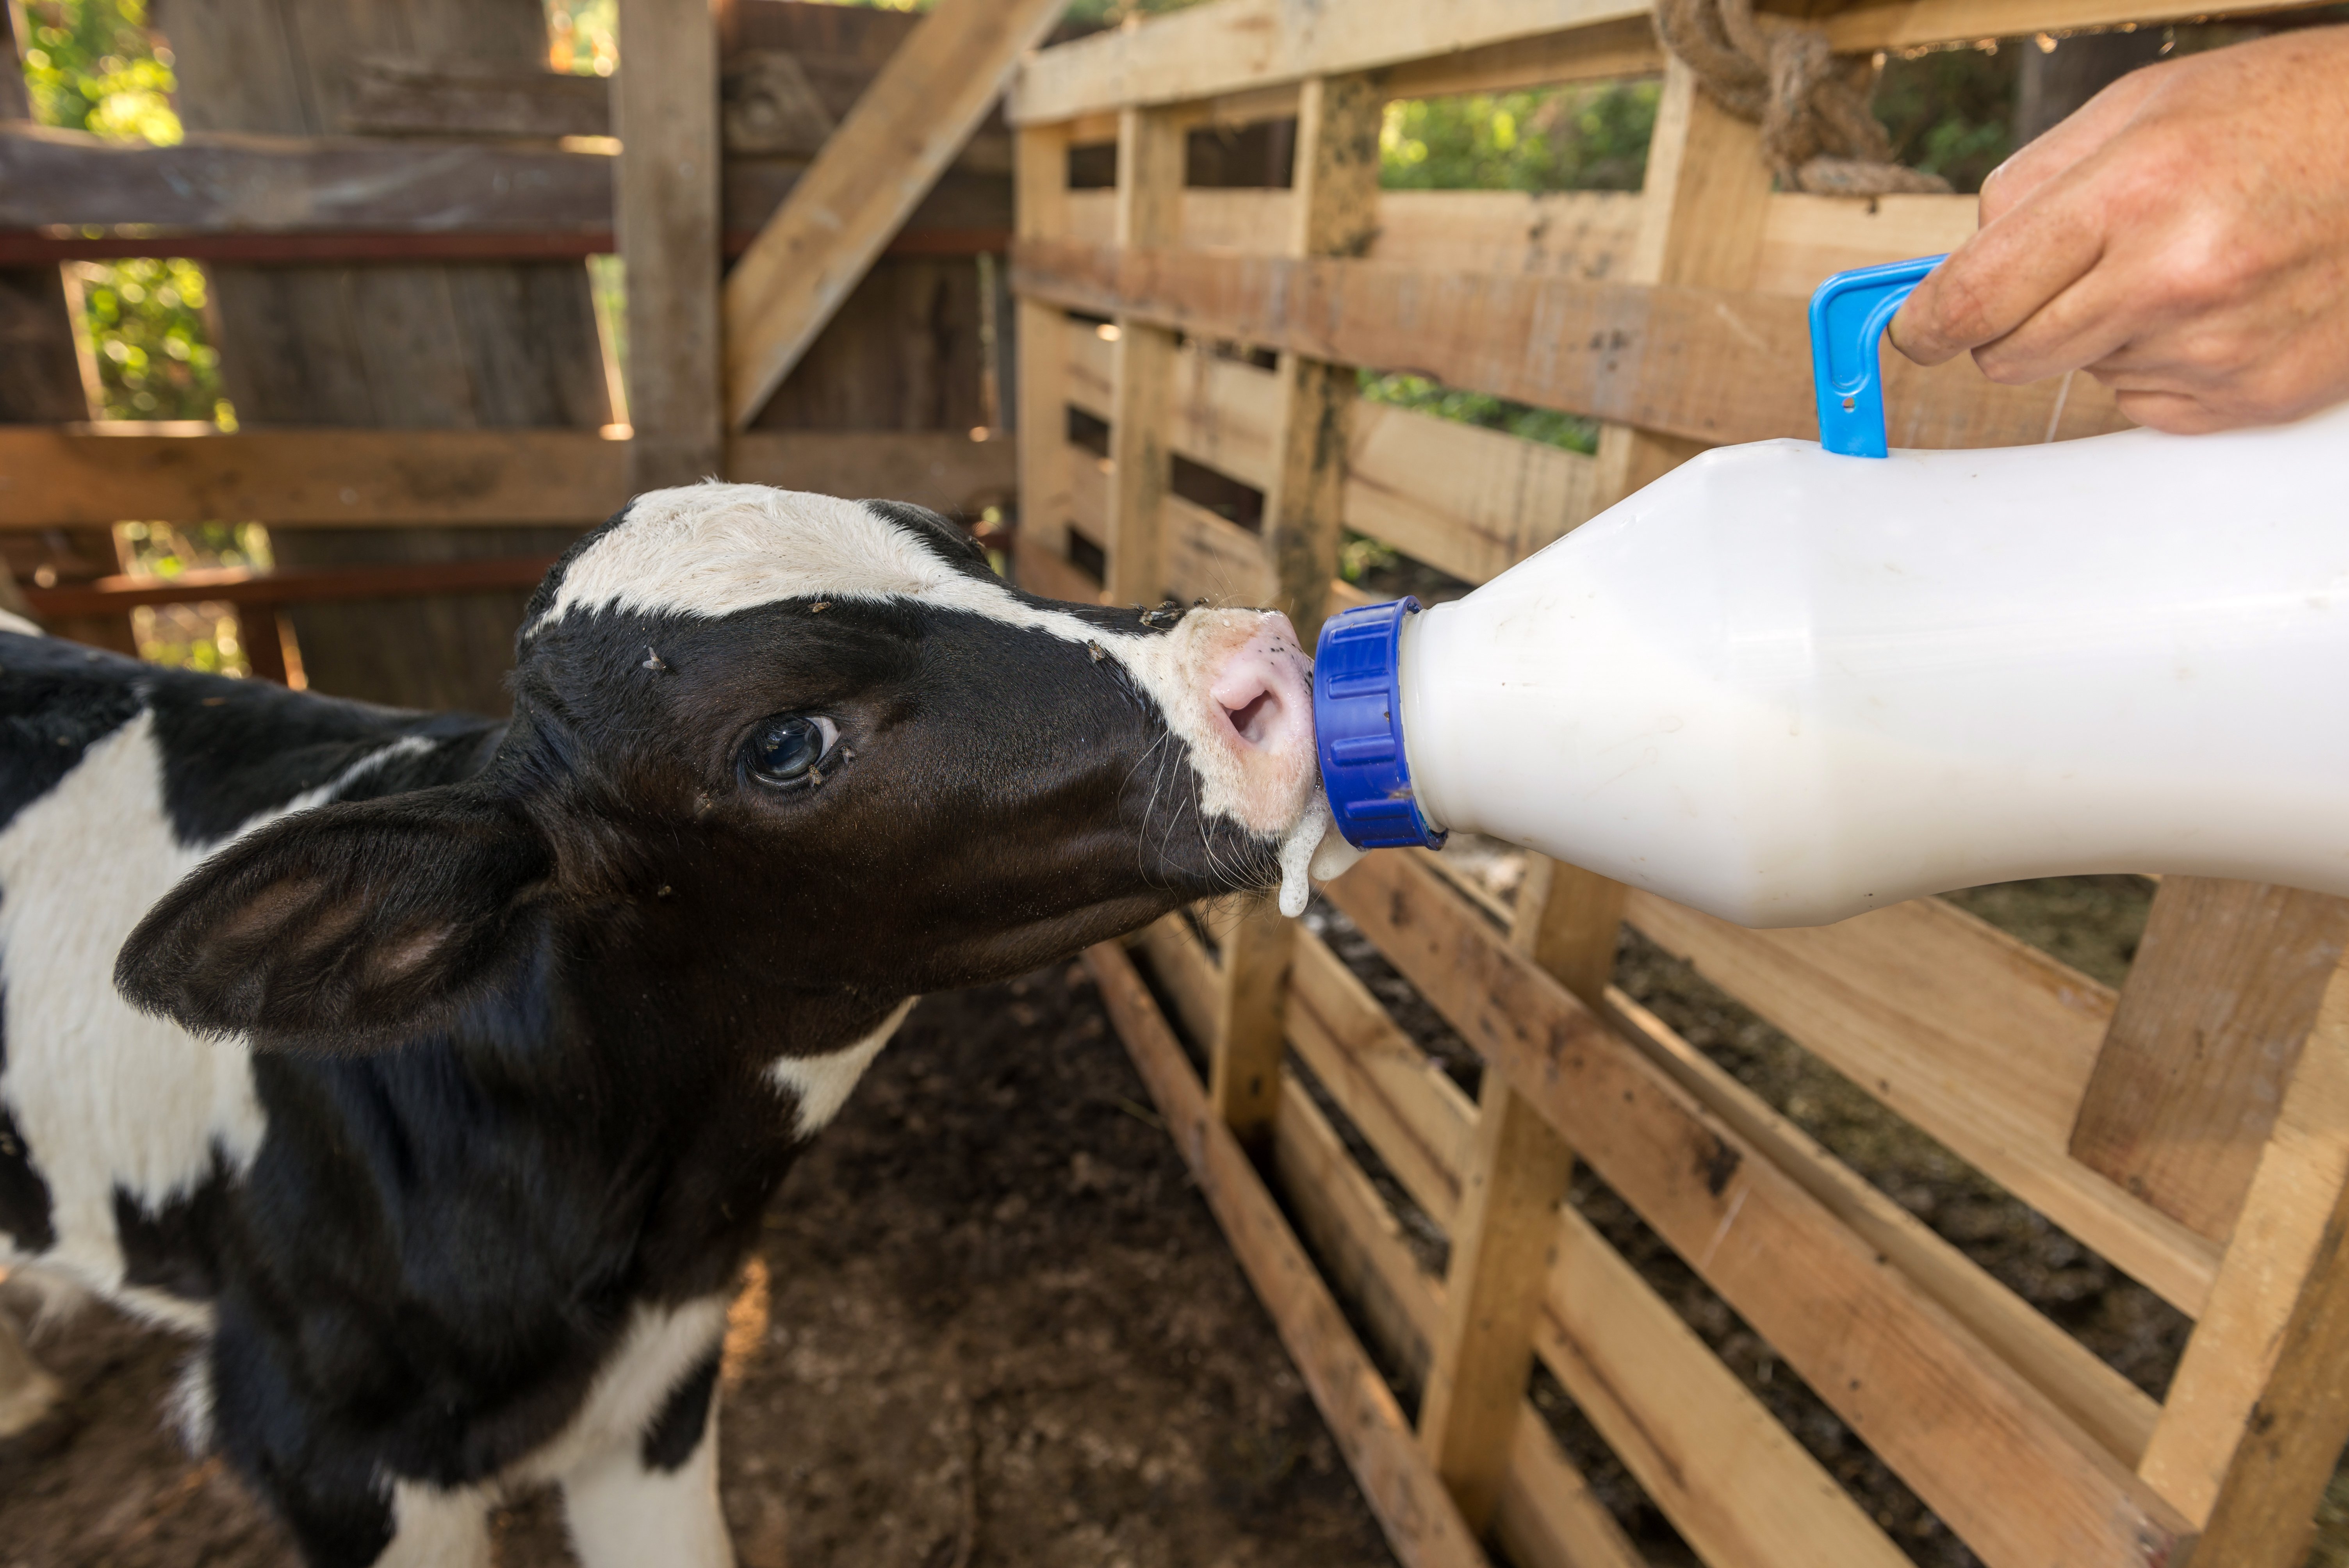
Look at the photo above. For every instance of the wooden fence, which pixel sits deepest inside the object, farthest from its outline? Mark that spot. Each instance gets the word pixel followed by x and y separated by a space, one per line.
pixel 2192 1127
pixel 395 198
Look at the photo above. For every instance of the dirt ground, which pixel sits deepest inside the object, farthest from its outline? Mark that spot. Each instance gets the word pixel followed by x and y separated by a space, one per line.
pixel 990 1324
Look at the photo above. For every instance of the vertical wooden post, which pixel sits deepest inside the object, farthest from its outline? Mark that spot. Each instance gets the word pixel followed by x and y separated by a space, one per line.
pixel 2259 1410
pixel 665 187
pixel 1502 1240
pixel 2220 999
pixel 1335 213
pixel 1042 194
pixel 1701 212
pixel 1149 214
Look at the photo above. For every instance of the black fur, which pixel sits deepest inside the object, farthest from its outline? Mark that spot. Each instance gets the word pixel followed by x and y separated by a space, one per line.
pixel 677 1431
pixel 517 1000
pixel 57 699
pixel 176 1248
pixel 26 1212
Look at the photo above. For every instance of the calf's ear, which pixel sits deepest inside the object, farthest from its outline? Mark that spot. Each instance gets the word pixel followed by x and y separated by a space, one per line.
pixel 347 928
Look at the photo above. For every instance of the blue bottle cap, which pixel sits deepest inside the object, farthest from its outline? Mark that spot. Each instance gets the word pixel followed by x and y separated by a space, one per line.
pixel 1358 728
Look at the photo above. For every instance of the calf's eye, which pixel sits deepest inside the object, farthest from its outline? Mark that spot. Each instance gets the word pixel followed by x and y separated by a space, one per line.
pixel 786 749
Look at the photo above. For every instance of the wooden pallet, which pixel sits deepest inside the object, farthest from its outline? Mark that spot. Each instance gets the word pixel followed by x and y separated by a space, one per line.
pixel 2192 1127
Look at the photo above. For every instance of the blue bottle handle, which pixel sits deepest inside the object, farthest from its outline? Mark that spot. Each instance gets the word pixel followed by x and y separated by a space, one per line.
pixel 1848 314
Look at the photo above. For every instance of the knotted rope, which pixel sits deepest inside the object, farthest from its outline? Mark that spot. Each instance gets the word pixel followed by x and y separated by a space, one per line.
pixel 1816 129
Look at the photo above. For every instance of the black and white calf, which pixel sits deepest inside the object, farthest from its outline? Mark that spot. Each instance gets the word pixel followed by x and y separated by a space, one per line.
pixel 459 1059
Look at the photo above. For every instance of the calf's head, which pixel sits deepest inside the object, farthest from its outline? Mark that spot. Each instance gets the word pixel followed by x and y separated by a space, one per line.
pixel 771 754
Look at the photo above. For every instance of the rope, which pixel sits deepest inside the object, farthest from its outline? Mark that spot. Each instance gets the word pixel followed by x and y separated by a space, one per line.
pixel 1816 129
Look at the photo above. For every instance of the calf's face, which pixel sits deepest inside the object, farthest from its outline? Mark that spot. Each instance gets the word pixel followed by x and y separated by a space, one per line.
pixel 771 745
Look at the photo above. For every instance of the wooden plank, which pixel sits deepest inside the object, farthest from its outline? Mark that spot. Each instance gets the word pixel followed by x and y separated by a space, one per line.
pixel 1150 152
pixel 1518 233
pixel 1240 44
pixel 2111 1409
pixel 1807 239
pixel 892 145
pixel 665 202
pixel 1511 1187
pixel 2223 990
pixel 396 96
pixel 1418 1119
pixel 1210 558
pixel 1569 920
pixel 1702 215
pixel 1940 1407
pixel 1984 1042
pixel 242 180
pixel 1184 972
pixel 1594 52
pixel 1734 1483
pixel 52 476
pixel 1920 22
pixel 1547 1516
pixel 2257 1410
pixel 1709 365
pixel 1248 1040
pixel 1040 212
pixel 1355 1237
pixel 1421 1525
pixel 263 591
pixel 945 470
pixel 1468 502
pixel 1335 214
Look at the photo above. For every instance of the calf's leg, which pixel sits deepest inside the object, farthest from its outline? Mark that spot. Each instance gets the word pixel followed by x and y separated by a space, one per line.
pixel 655 1499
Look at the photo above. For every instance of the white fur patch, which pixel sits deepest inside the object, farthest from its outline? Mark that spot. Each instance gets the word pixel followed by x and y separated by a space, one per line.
pixel 822 1084
pixel 107 1096
pixel 622 1515
pixel 12 622
pixel 661 1345
pixel 436 1529
pixel 713 550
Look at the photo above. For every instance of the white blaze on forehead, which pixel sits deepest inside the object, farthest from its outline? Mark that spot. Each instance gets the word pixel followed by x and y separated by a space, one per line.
pixel 713 550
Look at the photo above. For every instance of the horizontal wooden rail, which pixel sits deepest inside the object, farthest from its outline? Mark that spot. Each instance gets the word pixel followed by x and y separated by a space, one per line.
pixel 295 585
pixel 239 197
pixel 1709 365
pixel 20 248
pixel 1247 46
pixel 60 476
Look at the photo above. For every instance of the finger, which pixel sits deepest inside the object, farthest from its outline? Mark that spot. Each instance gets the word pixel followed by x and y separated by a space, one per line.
pixel 2179 413
pixel 2091 322
pixel 2078 135
pixel 1997 280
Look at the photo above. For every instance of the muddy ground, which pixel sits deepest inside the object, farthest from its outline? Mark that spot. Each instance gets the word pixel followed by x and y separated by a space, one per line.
pixel 990 1324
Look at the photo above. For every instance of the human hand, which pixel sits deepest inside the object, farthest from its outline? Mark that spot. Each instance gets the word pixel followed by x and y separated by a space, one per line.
pixel 2184 238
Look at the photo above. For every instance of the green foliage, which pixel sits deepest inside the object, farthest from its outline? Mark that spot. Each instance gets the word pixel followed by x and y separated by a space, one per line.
pixel 583 36
pixel 1557 139
pixel 155 359
pixel 1951 112
pixel 92 65
pixel 1520 420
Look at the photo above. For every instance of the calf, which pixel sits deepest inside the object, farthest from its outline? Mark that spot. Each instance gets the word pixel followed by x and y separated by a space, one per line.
pixel 459 1059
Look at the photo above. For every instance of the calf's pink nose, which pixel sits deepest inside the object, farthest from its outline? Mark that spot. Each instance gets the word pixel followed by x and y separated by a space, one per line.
pixel 1265 689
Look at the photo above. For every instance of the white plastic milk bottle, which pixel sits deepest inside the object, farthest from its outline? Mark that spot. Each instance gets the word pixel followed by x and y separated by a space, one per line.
pixel 1786 683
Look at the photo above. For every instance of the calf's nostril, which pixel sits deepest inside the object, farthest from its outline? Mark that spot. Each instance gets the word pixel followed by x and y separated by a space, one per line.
pixel 1255 718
